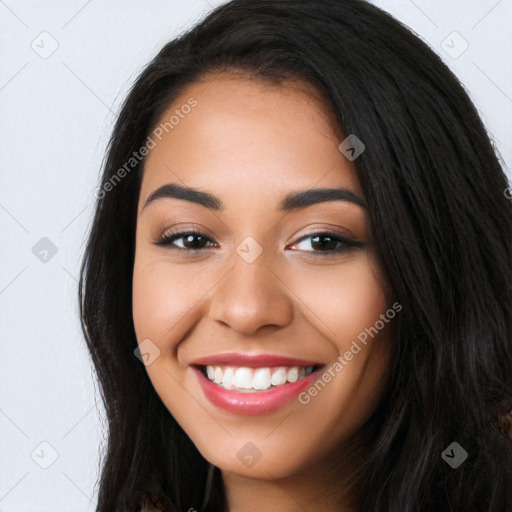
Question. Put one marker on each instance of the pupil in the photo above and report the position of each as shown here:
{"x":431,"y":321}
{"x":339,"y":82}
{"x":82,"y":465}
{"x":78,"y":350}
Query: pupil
{"x":323,"y":245}
{"x":189,"y":238}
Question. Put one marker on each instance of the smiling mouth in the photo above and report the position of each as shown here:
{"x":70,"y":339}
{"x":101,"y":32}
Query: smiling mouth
{"x":251,"y":380}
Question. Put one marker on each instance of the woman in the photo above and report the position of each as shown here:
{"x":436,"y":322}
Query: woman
{"x":297,"y":289}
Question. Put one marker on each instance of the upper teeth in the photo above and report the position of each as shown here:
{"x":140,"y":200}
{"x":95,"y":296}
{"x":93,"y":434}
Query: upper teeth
{"x":246,"y":379}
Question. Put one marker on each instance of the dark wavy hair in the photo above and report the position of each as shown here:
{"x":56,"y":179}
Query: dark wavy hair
{"x":442,"y":229}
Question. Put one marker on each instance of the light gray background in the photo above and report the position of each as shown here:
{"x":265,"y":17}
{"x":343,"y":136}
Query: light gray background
{"x":56,"y":114}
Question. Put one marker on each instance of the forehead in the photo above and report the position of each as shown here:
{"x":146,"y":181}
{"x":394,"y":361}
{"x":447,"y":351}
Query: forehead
{"x":245,"y":137}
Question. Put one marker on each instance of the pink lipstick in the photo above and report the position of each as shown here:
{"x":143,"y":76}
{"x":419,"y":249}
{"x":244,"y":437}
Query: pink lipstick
{"x":253,"y":383}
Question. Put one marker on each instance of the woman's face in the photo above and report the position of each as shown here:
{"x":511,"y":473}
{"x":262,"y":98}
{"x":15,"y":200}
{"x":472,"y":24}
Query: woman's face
{"x":267,"y":290}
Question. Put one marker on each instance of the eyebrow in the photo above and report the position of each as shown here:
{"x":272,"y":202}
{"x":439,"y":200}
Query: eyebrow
{"x":292,"y":201}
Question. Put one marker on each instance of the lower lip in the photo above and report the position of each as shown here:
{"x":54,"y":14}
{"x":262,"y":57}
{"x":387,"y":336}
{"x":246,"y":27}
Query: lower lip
{"x":254,"y":402}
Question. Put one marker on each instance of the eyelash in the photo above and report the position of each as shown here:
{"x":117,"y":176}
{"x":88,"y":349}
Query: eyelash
{"x":168,"y":239}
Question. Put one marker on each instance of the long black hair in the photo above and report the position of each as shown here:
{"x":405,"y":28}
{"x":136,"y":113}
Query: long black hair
{"x":442,"y":229}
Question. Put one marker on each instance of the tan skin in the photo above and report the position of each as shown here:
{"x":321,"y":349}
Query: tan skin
{"x":250,"y":144}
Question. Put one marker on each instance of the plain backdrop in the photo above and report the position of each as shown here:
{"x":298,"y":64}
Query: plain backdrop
{"x":65,"y":68}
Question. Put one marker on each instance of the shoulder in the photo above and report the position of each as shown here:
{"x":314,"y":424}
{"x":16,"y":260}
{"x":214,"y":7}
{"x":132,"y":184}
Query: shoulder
{"x":150,"y":504}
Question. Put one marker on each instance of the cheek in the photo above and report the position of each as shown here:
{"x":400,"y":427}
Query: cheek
{"x":161,"y":297}
{"x":343,"y":300}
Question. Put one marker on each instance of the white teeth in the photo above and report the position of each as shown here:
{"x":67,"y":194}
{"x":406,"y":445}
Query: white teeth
{"x":278,"y":377}
{"x":293,"y":374}
{"x":250,"y":379}
{"x":261,"y":378}
{"x":218,"y":375}
{"x":228,"y":378}
{"x":243,"y":378}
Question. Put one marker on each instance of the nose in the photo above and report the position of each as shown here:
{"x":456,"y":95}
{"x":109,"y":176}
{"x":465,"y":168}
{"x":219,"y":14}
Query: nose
{"x":251,"y":296}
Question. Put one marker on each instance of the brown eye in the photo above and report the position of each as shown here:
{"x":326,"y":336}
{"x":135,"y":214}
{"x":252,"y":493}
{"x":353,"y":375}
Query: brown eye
{"x":192,"y":241}
{"x":329,"y":243}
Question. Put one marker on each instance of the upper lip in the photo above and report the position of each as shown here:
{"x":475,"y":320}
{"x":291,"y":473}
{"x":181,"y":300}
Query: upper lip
{"x":252,"y":360}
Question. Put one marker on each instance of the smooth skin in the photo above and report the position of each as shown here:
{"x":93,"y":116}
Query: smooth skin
{"x":250,"y":143}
